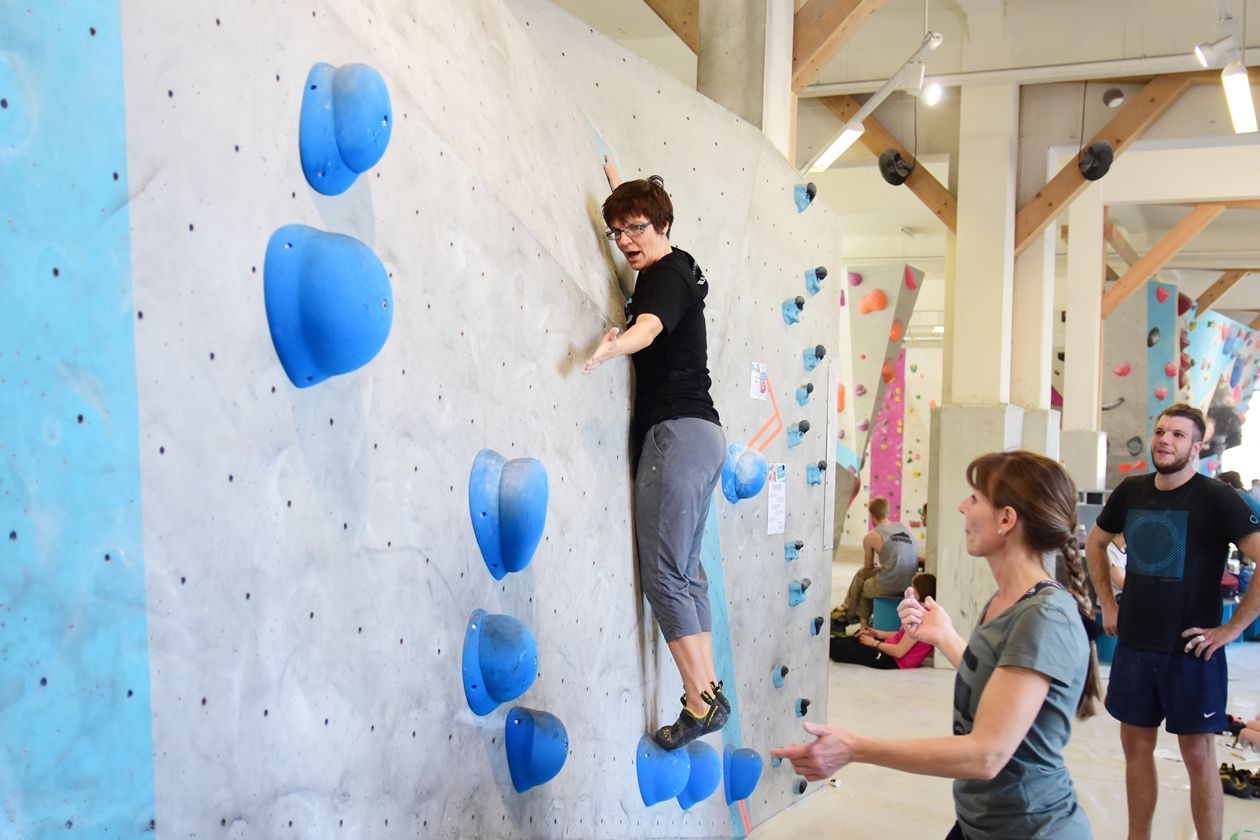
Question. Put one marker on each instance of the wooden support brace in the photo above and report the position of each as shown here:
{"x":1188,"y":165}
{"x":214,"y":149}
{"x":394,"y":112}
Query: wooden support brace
{"x":1218,"y":289}
{"x":1121,"y":245}
{"x":875,"y":137}
{"x":820,"y":29}
{"x":682,"y":17}
{"x":1138,"y":115}
{"x":1255,"y":322}
{"x":1154,"y":259}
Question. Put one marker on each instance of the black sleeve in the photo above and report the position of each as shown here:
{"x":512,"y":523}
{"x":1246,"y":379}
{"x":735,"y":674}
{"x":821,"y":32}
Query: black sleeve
{"x":667,"y":296}
{"x":1113,"y":513}
{"x":1236,"y":517}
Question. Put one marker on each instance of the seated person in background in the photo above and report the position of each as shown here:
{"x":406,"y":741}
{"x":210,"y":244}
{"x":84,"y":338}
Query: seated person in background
{"x":1234,"y":480}
{"x":1118,"y":557}
{"x":889,"y":562}
{"x":884,"y":650}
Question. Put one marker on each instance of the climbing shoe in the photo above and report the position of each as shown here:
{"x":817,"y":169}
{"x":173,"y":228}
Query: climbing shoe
{"x":717,"y":695}
{"x":1235,"y":783}
{"x":688,"y":727}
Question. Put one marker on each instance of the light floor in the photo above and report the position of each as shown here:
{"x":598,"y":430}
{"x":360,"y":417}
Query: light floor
{"x":872,"y":802}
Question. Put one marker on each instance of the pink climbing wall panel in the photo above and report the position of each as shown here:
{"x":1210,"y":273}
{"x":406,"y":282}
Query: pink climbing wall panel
{"x":887,"y":439}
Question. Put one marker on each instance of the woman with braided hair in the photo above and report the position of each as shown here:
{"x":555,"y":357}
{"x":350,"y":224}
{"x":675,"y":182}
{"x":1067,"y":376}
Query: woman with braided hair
{"x":1029,"y":666}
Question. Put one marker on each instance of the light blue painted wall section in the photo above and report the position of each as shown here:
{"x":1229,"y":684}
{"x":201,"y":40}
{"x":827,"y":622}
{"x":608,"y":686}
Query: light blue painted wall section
{"x":75,"y":727}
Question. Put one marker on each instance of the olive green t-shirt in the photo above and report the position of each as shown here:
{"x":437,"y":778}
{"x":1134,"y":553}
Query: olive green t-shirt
{"x":1032,"y":797}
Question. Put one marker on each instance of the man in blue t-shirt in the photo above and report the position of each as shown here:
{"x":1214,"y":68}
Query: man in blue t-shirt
{"x":1169,"y":665}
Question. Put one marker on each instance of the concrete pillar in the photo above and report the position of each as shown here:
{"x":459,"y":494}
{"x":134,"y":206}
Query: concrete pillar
{"x":1083,"y":446}
{"x":979,"y":281}
{"x":745,"y":62}
{"x":1032,"y":344}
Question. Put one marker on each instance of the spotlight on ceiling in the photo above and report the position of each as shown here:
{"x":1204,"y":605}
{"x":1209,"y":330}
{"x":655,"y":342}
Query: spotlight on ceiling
{"x":1113,"y":97}
{"x":895,"y":168}
{"x":1238,"y":94}
{"x":1210,"y":52}
{"x":1095,"y":160}
{"x":912,"y":80}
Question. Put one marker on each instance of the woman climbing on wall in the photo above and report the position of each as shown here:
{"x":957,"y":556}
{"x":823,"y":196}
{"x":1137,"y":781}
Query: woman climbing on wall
{"x":1029,"y":665}
{"x":675,"y":436}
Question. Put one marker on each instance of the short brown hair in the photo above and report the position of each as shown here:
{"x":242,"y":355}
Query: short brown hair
{"x":641,"y":198}
{"x":924,"y":586}
{"x":878,"y":507}
{"x":1190,"y":413}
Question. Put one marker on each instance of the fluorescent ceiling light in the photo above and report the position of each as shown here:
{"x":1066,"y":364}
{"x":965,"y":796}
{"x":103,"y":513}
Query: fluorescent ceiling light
{"x":1210,"y":52}
{"x":938,"y":329}
{"x":846,"y":139}
{"x":1238,"y":94}
{"x":932,"y":93}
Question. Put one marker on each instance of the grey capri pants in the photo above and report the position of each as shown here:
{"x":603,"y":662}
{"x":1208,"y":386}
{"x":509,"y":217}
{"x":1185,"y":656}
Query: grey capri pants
{"x":679,"y":468}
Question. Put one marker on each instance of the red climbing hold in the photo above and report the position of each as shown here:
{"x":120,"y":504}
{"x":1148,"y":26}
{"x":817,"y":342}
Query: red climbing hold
{"x":1170,"y":369}
{"x":1161,"y":393}
{"x":1123,"y":370}
{"x":910,"y":284}
{"x":1161,"y":293}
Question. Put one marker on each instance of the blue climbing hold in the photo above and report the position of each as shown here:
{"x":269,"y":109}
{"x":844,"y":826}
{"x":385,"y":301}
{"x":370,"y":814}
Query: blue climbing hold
{"x":796,"y":591}
{"x":814,"y":472}
{"x":792,"y":310}
{"x":500,"y":660}
{"x":329,"y":303}
{"x":816,"y":626}
{"x":537,"y":746}
{"x":802,"y":707}
{"x":345,"y":125}
{"x":803,"y":392}
{"x":744,"y":474}
{"x":775,"y":761}
{"x":814,"y":278}
{"x":508,"y":504}
{"x":742,"y":771}
{"x":813,"y":355}
{"x":779,"y":675}
{"x":704,"y":777}
{"x":662,"y":774}
{"x":804,"y":195}
{"x":792,"y":549}
{"x":796,"y":433}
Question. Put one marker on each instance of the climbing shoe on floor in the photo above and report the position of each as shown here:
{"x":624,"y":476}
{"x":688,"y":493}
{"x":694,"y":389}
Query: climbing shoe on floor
{"x":1235,"y":783}
{"x":688,"y":727}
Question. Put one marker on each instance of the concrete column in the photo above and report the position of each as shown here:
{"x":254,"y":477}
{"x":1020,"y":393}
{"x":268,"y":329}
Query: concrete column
{"x":1083,"y":446}
{"x":979,"y":281}
{"x":745,"y":62}
{"x":1032,"y":344}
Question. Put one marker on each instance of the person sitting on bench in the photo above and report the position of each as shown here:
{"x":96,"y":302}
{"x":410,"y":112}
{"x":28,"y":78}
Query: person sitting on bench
{"x":889,"y":562}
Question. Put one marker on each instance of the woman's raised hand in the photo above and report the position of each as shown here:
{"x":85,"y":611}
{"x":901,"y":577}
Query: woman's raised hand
{"x":910,"y":611}
{"x":610,"y":170}
{"x":605,"y":351}
{"x":928,"y":622}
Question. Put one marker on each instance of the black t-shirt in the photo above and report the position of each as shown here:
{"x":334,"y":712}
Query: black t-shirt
{"x":1178,"y":542}
{"x":671,"y":373}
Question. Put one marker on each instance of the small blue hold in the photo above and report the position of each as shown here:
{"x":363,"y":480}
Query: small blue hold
{"x":792,"y":310}
{"x":797,"y":433}
{"x":775,"y":761}
{"x":802,"y":707}
{"x":742,"y":771}
{"x":537,"y":745}
{"x":804,"y":195}
{"x":796,"y":591}
{"x":704,"y":777}
{"x":799,"y":786}
{"x":813,"y":355}
{"x":662,"y":774}
{"x":816,"y":625}
{"x":792,"y":549}
{"x":814,"y":472}
{"x":779,"y":675}
{"x":500,"y":660}
{"x":803,"y":392}
{"x":507,"y":501}
{"x":744,"y":474}
{"x":345,"y":125}
{"x":814,"y":278}
{"x":329,"y":303}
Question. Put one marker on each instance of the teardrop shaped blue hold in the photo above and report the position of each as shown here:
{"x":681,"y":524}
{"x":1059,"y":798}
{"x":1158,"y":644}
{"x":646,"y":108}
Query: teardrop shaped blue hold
{"x":500,"y":660}
{"x":742,"y":772}
{"x":662,"y":774}
{"x":537,"y":745}
{"x":345,"y":125}
{"x":705,"y":775}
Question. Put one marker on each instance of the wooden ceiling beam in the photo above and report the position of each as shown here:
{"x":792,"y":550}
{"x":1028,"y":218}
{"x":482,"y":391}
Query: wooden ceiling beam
{"x":1120,"y":245}
{"x":1255,"y":322}
{"x":820,"y":29}
{"x":1154,"y":259}
{"x":1240,"y":204}
{"x":1128,"y":125}
{"x":682,"y":17}
{"x":1222,"y":285}
{"x":922,"y":183}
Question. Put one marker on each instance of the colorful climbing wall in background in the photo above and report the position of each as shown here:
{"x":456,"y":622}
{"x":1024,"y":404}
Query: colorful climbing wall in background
{"x":886,"y":440}
{"x":1220,"y":361}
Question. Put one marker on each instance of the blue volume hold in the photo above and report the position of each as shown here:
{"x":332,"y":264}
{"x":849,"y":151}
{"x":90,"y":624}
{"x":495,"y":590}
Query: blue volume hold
{"x":537,"y":745}
{"x":508,"y":504}
{"x":345,"y":125}
{"x":500,"y":660}
{"x":662,"y":774}
{"x":705,"y":775}
{"x":742,"y":771}
{"x":744,"y":474}
{"x":329,"y":303}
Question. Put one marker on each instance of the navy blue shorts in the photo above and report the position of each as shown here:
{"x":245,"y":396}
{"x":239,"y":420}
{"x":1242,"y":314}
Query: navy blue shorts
{"x":1180,"y":688}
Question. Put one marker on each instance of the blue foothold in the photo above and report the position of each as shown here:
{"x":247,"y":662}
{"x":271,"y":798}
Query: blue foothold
{"x":500,"y":660}
{"x":804,"y":196}
{"x":802,"y":707}
{"x":742,"y":771}
{"x":814,"y":278}
{"x":797,"y":433}
{"x":704,"y":777}
{"x":803,"y":392}
{"x":814,"y":472}
{"x":779,"y":675}
{"x":329,"y":303}
{"x":792,"y":310}
{"x":744,"y":474}
{"x":796,"y":591}
{"x":813,"y":355}
{"x":816,"y":625}
{"x":662,"y":774}
{"x":775,"y":761}
{"x":537,"y":745}
{"x":792,"y":549}
{"x":345,"y":125}
{"x":507,"y":501}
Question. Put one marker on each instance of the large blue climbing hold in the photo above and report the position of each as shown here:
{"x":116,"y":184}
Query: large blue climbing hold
{"x":500,"y":661}
{"x":662,"y":774}
{"x":804,"y":195}
{"x":705,"y":775}
{"x":508,"y":504}
{"x":742,"y":771}
{"x":329,"y":303}
{"x":345,"y":125}
{"x":537,"y":746}
{"x":744,"y":474}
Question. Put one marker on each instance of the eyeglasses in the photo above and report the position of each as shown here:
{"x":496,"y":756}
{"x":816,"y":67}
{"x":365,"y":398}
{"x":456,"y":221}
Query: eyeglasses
{"x":632,"y":231}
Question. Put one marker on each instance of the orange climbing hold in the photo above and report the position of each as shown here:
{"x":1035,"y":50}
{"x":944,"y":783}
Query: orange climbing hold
{"x":840,"y":398}
{"x":897,"y":331}
{"x":873,"y":301}
{"x":889,"y":370}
